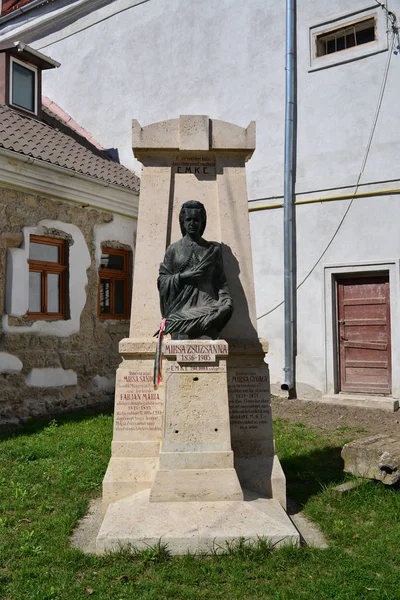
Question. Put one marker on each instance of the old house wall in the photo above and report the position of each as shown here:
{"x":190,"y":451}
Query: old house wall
{"x":51,"y":366}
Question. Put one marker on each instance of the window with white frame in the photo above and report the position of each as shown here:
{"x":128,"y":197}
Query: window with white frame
{"x":348,"y":37}
{"x":47,"y":278}
{"x":23,"y":85}
{"x":344,"y":38}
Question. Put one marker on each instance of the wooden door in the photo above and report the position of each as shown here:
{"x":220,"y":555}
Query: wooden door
{"x":364,"y":335}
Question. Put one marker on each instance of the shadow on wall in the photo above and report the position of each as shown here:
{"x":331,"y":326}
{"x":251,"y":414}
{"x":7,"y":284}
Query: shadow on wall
{"x":240,"y":325}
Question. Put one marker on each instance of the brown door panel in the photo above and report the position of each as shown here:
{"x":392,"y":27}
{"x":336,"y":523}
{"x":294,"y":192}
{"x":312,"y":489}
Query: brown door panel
{"x":364,"y":354}
{"x":364,"y":335}
{"x":369,"y":311}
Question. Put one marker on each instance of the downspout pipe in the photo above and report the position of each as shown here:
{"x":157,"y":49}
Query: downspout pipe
{"x":289,"y":215}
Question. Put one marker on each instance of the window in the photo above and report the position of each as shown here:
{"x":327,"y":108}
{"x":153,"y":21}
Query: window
{"x":114,"y":284}
{"x":343,"y":38}
{"x":23,"y":85}
{"x":47,"y":278}
{"x":348,"y":37}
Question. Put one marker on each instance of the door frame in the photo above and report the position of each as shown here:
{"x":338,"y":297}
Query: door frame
{"x":340,"y":271}
{"x":377,"y":278}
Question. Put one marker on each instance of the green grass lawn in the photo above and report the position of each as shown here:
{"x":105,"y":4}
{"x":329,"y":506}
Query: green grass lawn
{"x":48,"y":476}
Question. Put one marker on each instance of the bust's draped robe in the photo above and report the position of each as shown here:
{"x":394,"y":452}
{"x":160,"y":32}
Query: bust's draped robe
{"x":192,"y":308}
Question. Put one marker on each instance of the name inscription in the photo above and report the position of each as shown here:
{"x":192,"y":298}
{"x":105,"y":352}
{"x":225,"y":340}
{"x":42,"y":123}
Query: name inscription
{"x":211,"y":349}
{"x":196,"y":165}
{"x":194,"y":170}
{"x":138,"y":405}
{"x":248,"y":398}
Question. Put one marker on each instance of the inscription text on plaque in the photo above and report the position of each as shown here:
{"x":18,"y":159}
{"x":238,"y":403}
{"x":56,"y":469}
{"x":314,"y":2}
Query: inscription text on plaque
{"x":139,"y":404}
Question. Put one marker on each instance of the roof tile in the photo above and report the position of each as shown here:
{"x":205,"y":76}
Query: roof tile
{"x":11,"y":5}
{"x":52,"y":141}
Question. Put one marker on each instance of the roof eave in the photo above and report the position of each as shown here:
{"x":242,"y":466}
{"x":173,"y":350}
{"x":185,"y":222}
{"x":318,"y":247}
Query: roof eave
{"x":105,"y":196}
{"x":70,"y":172}
{"x":29,"y":54}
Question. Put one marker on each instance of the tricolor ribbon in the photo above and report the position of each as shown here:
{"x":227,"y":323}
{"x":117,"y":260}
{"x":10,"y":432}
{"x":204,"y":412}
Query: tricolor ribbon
{"x":157,"y":375}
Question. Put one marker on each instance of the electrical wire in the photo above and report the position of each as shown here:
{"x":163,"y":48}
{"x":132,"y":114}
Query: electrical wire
{"x":117,"y":12}
{"x":363,"y":164}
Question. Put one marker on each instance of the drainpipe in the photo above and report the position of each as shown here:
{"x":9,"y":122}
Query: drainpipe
{"x":289,"y":215}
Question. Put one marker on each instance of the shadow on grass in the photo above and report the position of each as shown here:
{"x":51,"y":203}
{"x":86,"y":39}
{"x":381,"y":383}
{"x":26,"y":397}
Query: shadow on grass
{"x":34,"y":425}
{"x":307,"y":474}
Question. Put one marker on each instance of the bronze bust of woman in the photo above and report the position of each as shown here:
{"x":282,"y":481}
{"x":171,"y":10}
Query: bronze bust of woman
{"x":194,"y":295}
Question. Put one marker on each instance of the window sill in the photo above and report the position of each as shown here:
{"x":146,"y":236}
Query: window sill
{"x":24,"y":111}
{"x":41,"y":317}
{"x":113,"y":318}
{"x":326,"y":62}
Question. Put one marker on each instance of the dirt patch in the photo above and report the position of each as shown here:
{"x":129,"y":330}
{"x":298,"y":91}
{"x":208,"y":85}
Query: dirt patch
{"x":329,"y":416}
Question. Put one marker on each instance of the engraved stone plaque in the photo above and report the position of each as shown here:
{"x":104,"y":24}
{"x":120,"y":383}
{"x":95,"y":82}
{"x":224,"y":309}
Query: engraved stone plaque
{"x":249,"y":404}
{"x":139,"y":406}
{"x":194,"y":165}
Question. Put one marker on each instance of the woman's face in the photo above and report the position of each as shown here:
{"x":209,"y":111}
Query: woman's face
{"x":193,"y":221}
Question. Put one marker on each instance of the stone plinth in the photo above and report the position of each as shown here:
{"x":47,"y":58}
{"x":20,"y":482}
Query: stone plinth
{"x":195,"y":527}
{"x":256,"y":463}
{"x":196,"y":458}
{"x":137,"y":423}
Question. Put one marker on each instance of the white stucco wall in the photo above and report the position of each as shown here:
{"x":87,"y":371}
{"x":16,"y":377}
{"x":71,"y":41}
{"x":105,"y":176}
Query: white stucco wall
{"x":51,"y":377}
{"x":120,"y":229}
{"x":161,"y":58}
{"x":10,"y":363}
{"x":367,"y":234}
{"x":226,"y":59}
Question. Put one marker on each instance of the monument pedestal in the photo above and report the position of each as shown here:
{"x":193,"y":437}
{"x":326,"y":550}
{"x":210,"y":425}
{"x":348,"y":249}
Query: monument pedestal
{"x":138,"y":417}
{"x":193,"y":462}
{"x":196,"y":503}
{"x":256,"y":463}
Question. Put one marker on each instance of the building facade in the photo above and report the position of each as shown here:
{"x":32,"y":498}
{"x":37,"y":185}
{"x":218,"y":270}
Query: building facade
{"x":68,"y":222}
{"x":157,"y":59}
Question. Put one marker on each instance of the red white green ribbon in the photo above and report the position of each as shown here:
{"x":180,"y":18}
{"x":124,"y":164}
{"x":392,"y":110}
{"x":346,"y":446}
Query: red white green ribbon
{"x":157,"y":374}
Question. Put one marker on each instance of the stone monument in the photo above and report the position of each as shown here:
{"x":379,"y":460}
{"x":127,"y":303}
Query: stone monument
{"x":193,"y":460}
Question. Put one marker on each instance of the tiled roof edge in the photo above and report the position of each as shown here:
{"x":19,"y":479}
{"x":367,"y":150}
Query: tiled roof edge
{"x":18,"y":8}
{"x":61,"y":114}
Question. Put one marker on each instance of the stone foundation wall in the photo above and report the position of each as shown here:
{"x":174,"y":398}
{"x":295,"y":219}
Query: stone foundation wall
{"x":87,"y":359}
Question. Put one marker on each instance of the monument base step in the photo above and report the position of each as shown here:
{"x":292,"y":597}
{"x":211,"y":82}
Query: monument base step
{"x":195,"y":527}
{"x":196,"y":485}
